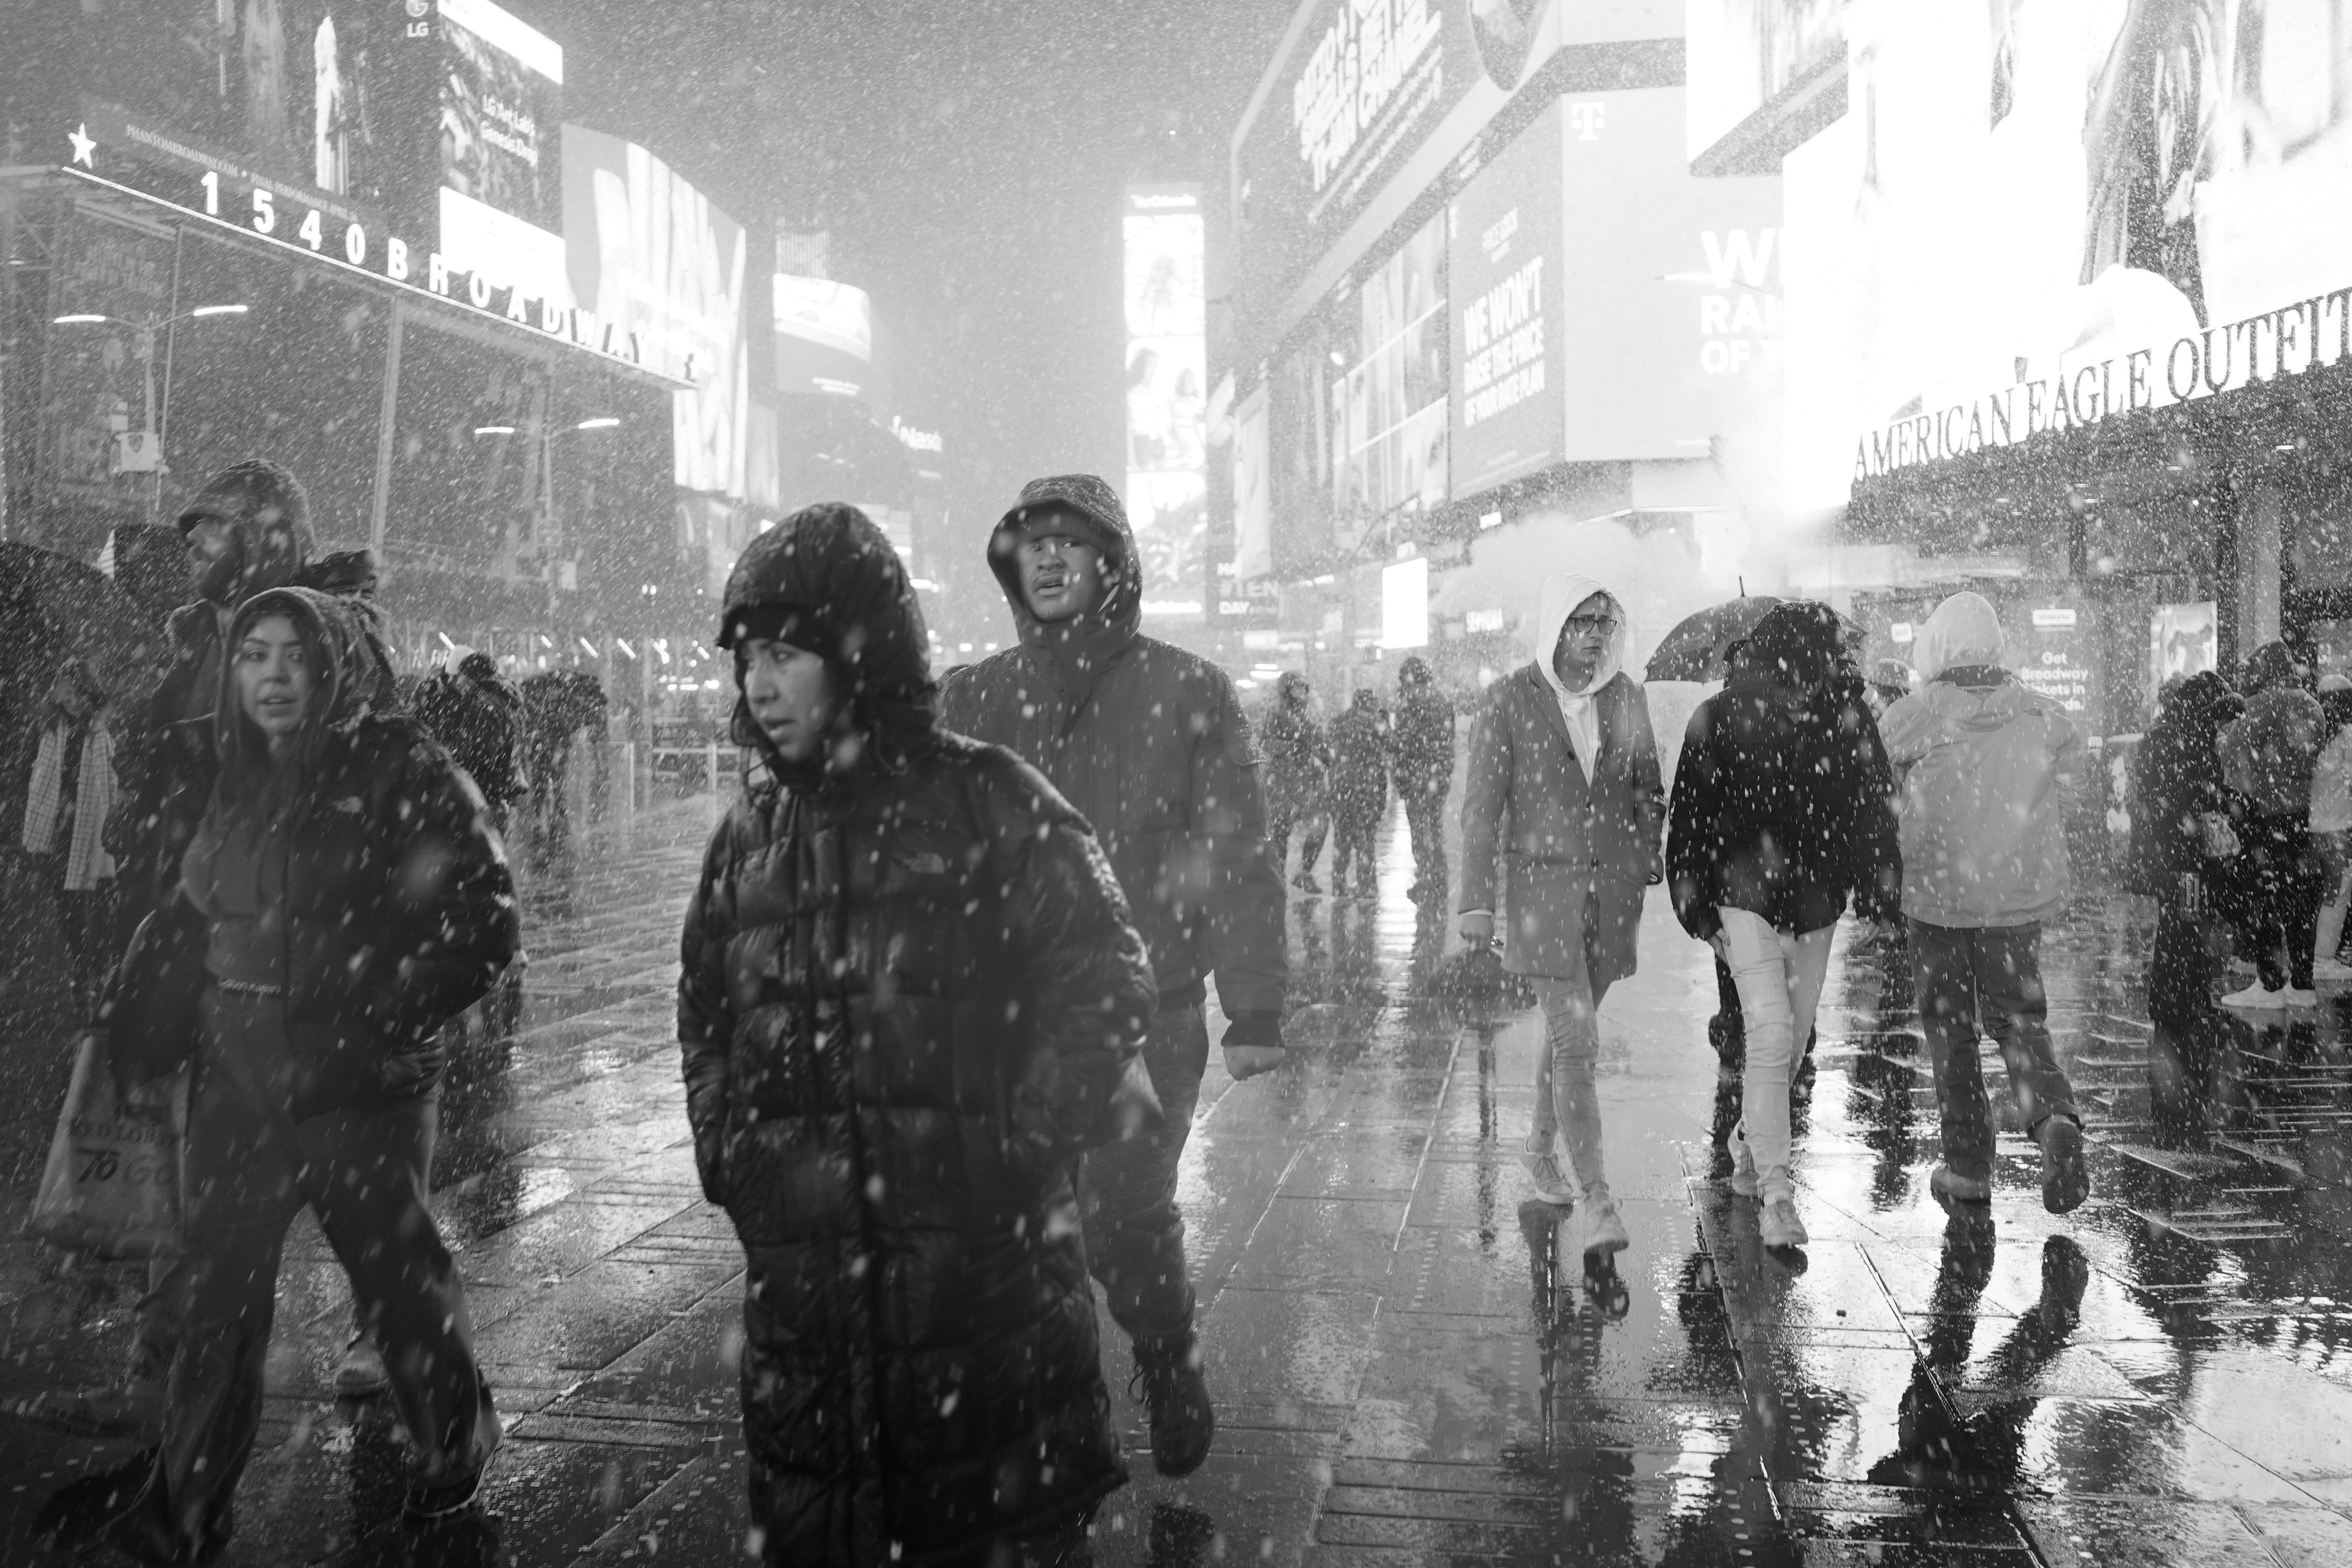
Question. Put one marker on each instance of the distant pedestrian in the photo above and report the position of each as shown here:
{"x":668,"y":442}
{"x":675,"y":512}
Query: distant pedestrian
{"x":1988,"y":769}
{"x":1150,"y":743}
{"x":1782,"y":812}
{"x":1422,"y":760}
{"x":342,"y":898}
{"x":478,"y":714}
{"x":1560,"y":813}
{"x":2331,"y":826}
{"x":1297,"y":778}
{"x":2269,"y":757}
{"x":910,"y":991}
{"x":2183,"y":845}
{"x":1360,"y":793}
{"x":69,"y":795}
{"x":558,"y":706}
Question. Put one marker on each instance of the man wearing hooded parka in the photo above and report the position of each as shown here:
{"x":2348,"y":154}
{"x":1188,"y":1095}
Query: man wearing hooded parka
{"x":909,"y":995}
{"x":1561,"y":810}
{"x":1148,"y":742}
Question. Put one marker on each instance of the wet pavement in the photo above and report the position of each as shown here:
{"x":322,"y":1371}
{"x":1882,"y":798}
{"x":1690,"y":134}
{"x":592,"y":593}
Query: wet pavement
{"x":1406,"y":1370}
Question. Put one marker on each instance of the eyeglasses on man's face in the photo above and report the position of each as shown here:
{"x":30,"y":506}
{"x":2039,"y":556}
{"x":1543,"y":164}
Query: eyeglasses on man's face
{"x":1591,"y":626}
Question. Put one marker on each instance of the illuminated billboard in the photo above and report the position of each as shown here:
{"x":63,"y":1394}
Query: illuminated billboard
{"x":1388,"y":410}
{"x":825,"y":336}
{"x":1506,"y":316}
{"x":1167,"y":391}
{"x":1746,"y":54}
{"x":649,"y":252}
{"x":2031,"y":207}
{"x":501,"y":199}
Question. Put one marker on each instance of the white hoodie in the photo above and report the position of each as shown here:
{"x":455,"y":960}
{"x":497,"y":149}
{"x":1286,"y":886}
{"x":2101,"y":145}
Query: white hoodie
{"x":1561,"y":595}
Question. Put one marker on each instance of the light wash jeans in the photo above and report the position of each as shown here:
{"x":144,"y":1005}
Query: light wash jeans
{"x":1780,"y":974}
{"x":1568,"y":1101}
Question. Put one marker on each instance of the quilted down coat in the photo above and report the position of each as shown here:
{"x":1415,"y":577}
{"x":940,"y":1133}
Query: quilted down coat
{"x":399,"y":912}
{"x":909,"y":990}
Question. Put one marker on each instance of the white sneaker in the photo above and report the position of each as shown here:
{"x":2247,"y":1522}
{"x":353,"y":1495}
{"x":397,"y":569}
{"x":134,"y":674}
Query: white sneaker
{"x":1552,"y":1182}
{"x":2291,"y":997}
{"x":2255,"y":997}
{"x":1778,"y":1226}
{"x":2329,"y":969}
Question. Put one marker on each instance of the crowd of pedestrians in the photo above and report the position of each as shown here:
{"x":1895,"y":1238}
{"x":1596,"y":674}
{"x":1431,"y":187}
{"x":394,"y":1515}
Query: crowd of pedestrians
{"x":944,"y":979}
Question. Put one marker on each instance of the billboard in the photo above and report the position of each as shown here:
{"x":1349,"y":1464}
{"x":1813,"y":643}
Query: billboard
{"x":825,"y":336}
{"x":1506,"y":317}
{"x":648,"y":252}
{"x":1166,"y":300}
{"x":2026,"y":196}
{"x":501,"y":198}
{"x":1609,"y":305}
{"x":1388,"y":409}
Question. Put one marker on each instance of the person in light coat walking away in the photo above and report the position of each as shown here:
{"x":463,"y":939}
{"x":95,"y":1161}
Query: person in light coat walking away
{"x":1560,"y":816}
{"x":1780,"y":814}
{"x":1987,"y":768}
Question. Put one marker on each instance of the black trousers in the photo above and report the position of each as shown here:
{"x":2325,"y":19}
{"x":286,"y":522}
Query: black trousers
{"x":2281,"y":886}
{"x":1424,"y":818}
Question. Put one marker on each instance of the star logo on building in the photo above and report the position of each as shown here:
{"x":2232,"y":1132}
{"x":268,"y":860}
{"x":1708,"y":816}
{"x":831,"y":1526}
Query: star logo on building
{"x":84,"y":144}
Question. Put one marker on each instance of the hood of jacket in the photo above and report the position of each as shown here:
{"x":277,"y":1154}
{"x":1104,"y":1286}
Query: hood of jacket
{"x":828,"y":580}
{"x":1086,"y":642}
{"x":1800,"y":645}
{"x":1977,"y":707}
{"x":2269,"y":752}
{"x":1561,"y":595}
{"x":345,"y":680}
{"x":1292,"y":691}
{"x":269,"y":516}
{"x":1413,"y":675}
{"x":1965,"y":629}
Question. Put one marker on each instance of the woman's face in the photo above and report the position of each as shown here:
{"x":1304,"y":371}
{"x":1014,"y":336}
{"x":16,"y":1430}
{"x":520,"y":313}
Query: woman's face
{"x":274,"y":677}
{"x":1584,"y":641}
{"x":789,"y":693}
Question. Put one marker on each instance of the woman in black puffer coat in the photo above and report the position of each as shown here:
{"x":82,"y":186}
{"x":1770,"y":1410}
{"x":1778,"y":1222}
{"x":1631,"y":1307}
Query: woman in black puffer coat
{"x":341,"y":901}
{"x":911,"y":996}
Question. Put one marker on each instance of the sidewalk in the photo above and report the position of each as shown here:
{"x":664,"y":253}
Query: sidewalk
{"x":1405,"y":1374}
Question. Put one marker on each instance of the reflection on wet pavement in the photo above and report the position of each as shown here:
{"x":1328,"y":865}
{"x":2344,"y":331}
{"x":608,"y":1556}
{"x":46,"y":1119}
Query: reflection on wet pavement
{"x":1413,"y":1363}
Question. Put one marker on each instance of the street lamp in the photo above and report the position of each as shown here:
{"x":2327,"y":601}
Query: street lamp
{"x":142,"y":452}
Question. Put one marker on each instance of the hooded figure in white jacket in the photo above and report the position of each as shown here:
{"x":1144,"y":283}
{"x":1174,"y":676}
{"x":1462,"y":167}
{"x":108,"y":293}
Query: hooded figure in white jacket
{"x":1561,"y":812}
{"x":1986,"y":768}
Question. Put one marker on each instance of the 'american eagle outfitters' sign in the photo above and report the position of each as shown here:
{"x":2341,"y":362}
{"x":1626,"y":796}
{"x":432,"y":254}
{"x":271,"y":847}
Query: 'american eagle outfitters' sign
{"x":2285,"y":342}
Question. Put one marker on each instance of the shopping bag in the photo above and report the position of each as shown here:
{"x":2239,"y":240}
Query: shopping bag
{"x":111,"y":1186}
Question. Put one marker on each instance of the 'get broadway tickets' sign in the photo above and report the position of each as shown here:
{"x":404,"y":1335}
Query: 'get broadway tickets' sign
{"x":109,"y":147}
{"x":2285,"y":342}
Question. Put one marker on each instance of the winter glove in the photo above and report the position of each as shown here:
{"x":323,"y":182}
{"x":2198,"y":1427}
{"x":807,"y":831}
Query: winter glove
{"x":1254,"y":1045}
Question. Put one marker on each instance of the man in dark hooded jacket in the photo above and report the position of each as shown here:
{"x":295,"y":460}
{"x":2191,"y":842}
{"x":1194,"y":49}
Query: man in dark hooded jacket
{"x":1421,"y":761}
{"x":1150,"y":743}
{"x":910,"y":997}
{"x":1359,"y":791}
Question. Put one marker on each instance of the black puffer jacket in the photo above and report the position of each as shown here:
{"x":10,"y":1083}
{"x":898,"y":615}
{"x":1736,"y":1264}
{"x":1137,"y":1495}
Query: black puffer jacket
{"x":398,"y":909}
{"x":1783,"y":801}
{"x":1421,"y":748}
{"x":2177,"y":784}
{"x":909,"y":988}
{"x":1359,"y":762}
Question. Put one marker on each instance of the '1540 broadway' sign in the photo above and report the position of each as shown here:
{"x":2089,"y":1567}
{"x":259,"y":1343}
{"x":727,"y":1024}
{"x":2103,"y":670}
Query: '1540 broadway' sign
{"x":2285,"y":342}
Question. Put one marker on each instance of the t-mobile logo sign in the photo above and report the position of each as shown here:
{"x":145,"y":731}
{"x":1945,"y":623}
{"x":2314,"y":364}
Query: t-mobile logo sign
{"x":1586,"y":118}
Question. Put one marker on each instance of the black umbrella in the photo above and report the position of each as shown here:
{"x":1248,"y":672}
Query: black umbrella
{"x":1697,"y":648}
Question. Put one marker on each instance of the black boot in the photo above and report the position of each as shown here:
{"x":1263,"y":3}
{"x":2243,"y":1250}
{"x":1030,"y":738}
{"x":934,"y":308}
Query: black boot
{"x":1177,"y":1395}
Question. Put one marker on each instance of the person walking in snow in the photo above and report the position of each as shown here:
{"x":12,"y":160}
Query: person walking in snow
{"x":2183,"y":844}
{"x":1422,"y":760}
{"x":341,"y":900}
{"x":1988,"y":769}
{"x":1148,"y":742}
{"x":1782,"y":812}
{"x":1360,"y":793}
{"x":1560,"y":815}
{"x":2269,"y":756}
{"x":68,"y":798}
{"x":1298,"y":779}
{"x":909,"y":995}
{"x":2331,"y":825}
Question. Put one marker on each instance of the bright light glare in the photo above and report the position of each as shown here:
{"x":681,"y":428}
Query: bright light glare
{"x":74,"y":321}
{"x":494,"y":429}
{"x":602,"y":422}
{"x":220,"y":310}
